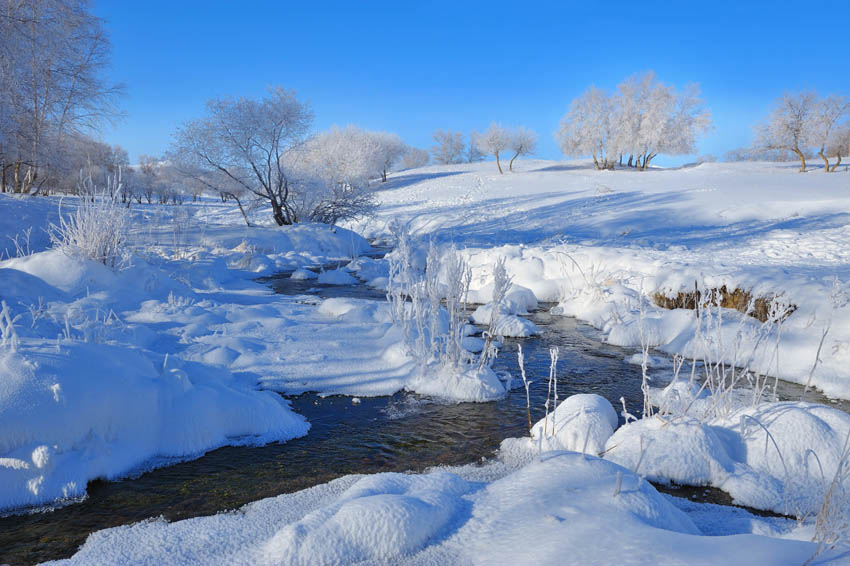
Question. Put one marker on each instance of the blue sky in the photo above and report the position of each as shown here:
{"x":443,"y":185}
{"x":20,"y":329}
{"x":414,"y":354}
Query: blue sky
{"x":413,"y":67}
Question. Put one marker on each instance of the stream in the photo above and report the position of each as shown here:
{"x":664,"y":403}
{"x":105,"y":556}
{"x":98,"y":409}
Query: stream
{"x":403,"y":432}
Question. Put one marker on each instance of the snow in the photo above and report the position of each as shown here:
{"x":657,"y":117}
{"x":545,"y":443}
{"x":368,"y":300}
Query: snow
{"x":181,"y":351}
{"x":581,"y":423}
{"x":559,"y":507}
{"x":121,"y":371}
{"x":601,"y":242}
{"x":302,"y":274}
{"x":73,"y":411}
{"x":776,"y":457}
{"x":336,"y":277}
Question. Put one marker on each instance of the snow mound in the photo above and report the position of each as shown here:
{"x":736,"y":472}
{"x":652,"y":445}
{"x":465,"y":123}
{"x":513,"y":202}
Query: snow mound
{"x":470,"y":385}
{"x":379,"y":518}
{"x":64,"y":272}
{"x":560,"y":508}
{"x":580,"y":423}
{"x":78,"y":411}
{"x":768,"y":457}
{"x":303,"y":274}
{"x":508,"y":324}
{"x":336,"y":277}
{"x":354,"y":310}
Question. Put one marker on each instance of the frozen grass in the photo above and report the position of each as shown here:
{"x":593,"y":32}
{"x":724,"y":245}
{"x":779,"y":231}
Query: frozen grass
{"x":97,"y":229}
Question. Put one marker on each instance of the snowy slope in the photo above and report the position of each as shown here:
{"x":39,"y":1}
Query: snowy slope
{"x":601,"y":242}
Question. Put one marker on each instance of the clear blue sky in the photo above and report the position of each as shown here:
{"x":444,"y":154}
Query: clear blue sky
{"x":413,"y":67}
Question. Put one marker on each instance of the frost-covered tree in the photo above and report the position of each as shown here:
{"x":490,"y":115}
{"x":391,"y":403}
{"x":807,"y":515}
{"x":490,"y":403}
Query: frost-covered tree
{"x":493,"y":141}
{"x":523,"y":142}
{"x":788,"y":127}
{"x":473,"y":154}
{"x":828,"y":117}
{"x":414,"y":158}
{"x":587,"y":128}
{"x":331,"y":174}
{"x":239,"y":145}
{"x":448,"y":147}
{"x":53,"y":54}
{"x":839,"y":144}
{"x":643,"y":119}
{"x":390,"y":147}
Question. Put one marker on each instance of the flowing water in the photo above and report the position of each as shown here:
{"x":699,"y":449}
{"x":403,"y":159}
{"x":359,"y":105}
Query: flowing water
{"x":398,"y":433}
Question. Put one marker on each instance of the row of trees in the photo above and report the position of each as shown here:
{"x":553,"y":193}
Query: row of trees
{"x":450,"y":148}
{"x":804,"y":124}
{"x":53,"y":96}
{"x":641,"y":119}
{"x":262,"y":150}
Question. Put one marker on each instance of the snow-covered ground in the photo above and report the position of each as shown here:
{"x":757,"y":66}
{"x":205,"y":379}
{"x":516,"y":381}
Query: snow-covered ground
{"x":601,"y":242}
{"x":180,"y":351}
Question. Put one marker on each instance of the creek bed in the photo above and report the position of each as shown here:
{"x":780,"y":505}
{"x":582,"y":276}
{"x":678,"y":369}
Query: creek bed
{"x":403,"y":432}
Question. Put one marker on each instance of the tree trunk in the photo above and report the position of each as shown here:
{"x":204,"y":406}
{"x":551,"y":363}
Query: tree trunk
{"x":837,"y":163}
{"x":595,"y":161}
{"x":802,"y":159}
{"x":499,"y":165}
{"x":825,"y":161}
{"x":631,"y":158}
{"x":621,"y":160}
{"x":511,"y":164}
{"x":384,"y":175}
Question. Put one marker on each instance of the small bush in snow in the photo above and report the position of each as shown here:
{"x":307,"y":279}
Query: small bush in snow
{"x":97,"y":229}
{"x":8,"y":335}
{"x":416,"y":303}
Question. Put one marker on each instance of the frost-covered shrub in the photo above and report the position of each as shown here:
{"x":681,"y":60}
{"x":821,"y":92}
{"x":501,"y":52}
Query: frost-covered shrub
{"x":97,"y":229}
{"x":433,"y":333}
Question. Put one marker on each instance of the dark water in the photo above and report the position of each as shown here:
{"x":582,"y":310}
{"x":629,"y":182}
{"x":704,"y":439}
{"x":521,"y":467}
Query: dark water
{"x":398,"y":433}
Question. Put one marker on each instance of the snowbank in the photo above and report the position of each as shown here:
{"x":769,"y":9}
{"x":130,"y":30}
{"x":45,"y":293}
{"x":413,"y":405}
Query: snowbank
{"x":560,"y":507}
{"x":777,"y":457}
{"x":71,"y":412}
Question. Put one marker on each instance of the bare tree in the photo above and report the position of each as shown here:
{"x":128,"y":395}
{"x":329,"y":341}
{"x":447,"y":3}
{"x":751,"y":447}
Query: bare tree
{"x":448,"y":147}
{"x":787,"y":126}
{"x":240,"y":143}
{"x":493,"y":141}
{"x":523,"y":142}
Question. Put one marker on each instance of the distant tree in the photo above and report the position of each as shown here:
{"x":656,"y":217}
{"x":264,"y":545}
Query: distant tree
{"x":587,"y":128}
{"x":828,"y":115}
{"x":707,"y":158}
{"x":238,"y":146}
{"x":493,"y":141}
{"x":413,"y":158}
{"x":839,"y":144}
{"x":642,"y":120}
{"x":523,"y":142}
{"x":390,"y":148}
{"x":448,"y":147}
{"x":788,"y":125}
{"x":473,"y":154}
{"x":53,"y":54}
